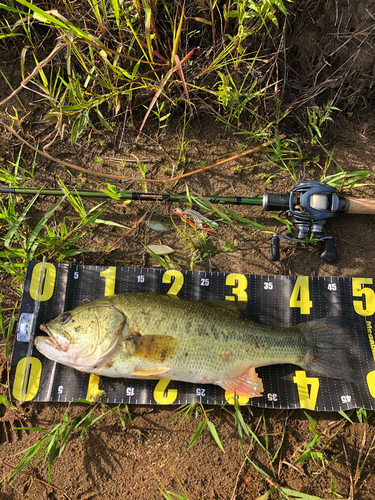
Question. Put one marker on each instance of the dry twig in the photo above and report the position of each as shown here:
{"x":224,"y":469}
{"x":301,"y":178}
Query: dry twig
{"x":35,"y":71}
{"x":226,"y":160}
{"x":137,"y":179}
{"x":40,"y":480}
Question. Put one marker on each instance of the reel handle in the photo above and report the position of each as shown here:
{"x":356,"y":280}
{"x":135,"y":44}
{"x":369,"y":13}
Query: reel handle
{"x":275,"y":249}
{"x":329,"y":253}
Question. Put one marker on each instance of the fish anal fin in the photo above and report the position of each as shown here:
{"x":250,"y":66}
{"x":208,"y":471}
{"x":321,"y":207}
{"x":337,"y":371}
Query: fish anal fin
{"x":149,"y":373}
{"x":248,"y":385}
{"x":154,"y":348}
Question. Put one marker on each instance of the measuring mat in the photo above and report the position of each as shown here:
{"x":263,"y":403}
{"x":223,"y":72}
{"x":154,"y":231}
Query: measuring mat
{"x":279,"y":301}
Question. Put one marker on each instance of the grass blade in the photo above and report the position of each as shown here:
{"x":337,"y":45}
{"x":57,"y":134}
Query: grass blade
{"x":247,"y":429}
{"x":177,"y":35}
{"x":159,"y":259}
{"x":51,"y":449}
{"x":298,"y":494}
{"x":33,"y":451}
{"x":181,"y":75}
{"x":215,"y":435}
{"x":258,"y":469}
{"x":148,"y":31}
{"x":116,"y":9}
{"x":15,"y":227}
{"x":59,"y":21}
{"x":344,"y":415}
{"x":198,"y":432}
{"x":155,"y":98}
{"x":30,"y":246}
{"x":65,"y":436}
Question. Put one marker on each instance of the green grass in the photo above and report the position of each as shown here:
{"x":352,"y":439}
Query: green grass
{"x":160,"y":52}
{"x":55,"y":241}
{"x":53,"y":442}
{"x":263,"y":451}
{"x":134,"y":57}
{"x":7,"y":326}
{"x":198,"y":411}
{"x":256,"y":442}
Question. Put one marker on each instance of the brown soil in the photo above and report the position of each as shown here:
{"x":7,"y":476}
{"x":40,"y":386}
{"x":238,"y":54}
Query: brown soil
{"x":112,"y":462}
{"x":151,"y":452}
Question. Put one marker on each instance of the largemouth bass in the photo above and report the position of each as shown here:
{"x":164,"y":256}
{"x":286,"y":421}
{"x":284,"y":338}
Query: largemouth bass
{"x":155,"y":336}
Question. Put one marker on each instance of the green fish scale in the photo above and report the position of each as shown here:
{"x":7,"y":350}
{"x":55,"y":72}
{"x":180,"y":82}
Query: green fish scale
{"x":214,"y":340}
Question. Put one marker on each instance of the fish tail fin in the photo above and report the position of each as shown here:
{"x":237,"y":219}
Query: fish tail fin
{"x":328,"y":348}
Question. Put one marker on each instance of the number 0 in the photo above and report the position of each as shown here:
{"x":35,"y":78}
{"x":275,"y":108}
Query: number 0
{"x":49,"y":281}
{"x":35,"y":371}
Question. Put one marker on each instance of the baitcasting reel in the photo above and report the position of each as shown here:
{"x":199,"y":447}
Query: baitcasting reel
{"x":310,"y":204}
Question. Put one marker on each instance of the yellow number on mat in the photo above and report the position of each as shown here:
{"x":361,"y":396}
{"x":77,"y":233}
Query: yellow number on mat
{"x":171,"y":394}
{"x":370,"y":379}
{"x":35,"y":371}
{"x":49,"y":281}
{"x":93,"y":391}
{"x":229,"y":398}
{"x":306,"y":399}
{"x":239,"y":282}
{"x":360,"y":292}
{"x":110,"y":280}
{"x":178,"y":280}
{"x":301,"y":290}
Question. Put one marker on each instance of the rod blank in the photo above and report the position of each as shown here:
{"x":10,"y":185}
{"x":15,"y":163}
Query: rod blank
{"x":126,"y":195}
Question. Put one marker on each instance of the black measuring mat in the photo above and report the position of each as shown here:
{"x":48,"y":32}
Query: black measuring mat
{"x":278,"y":301}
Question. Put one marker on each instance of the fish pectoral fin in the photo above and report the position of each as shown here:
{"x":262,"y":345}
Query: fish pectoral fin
{"x":248,"y":385}
{"x":149,"y":373}
{"x":155,"y":348}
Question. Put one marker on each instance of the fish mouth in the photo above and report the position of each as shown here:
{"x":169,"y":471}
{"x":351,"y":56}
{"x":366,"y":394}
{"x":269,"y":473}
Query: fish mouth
{"x":66,"y":337}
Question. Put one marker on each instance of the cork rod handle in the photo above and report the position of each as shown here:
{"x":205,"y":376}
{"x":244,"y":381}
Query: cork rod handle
{"x":360,"y":206}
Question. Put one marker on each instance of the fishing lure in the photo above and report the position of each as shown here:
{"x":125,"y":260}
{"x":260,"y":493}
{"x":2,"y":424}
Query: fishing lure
{"x":195,"y":219}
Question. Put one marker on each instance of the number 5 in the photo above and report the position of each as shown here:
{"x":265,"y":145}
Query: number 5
{"x":368,"y":293}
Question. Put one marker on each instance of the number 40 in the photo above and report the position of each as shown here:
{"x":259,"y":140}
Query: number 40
{"x":301,"y":295}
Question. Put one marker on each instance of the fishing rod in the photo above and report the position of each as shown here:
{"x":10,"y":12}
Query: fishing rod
{"x":309,"y":206}
{"x":126,"y":195}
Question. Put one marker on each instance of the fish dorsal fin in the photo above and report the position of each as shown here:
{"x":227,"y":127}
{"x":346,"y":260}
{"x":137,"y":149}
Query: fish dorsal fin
{"x":240,"y":309}
{"x":156,"y":348}
{"x":248,"y":385}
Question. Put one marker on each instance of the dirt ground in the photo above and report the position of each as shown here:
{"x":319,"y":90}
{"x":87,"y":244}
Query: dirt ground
{"x":112,"y":462}
{"x":150,"y":453}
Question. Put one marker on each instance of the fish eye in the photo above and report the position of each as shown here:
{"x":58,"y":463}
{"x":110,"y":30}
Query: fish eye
{"x":64,"y":318}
